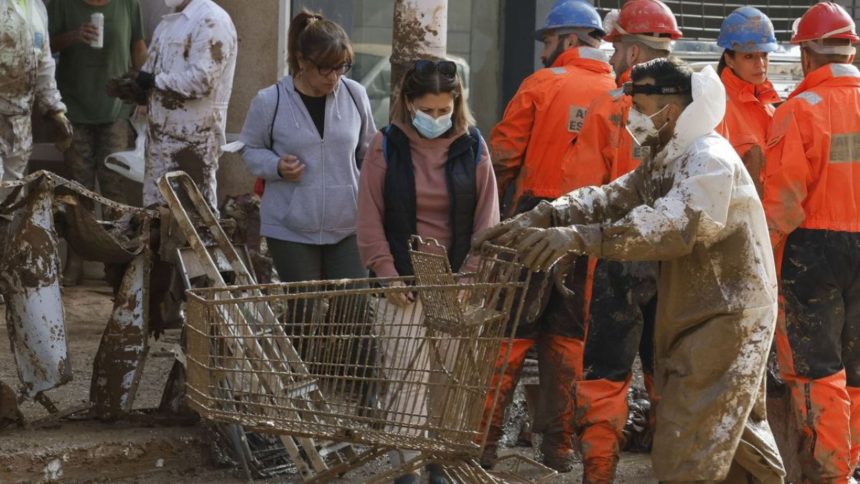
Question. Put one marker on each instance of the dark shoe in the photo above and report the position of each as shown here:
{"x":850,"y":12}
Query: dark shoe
{"x":489,"y":457}
{"x":436,"y":475}
{"x":411,"y":478}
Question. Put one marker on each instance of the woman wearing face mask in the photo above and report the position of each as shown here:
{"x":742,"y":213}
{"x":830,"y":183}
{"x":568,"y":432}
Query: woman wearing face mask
{"x":305,"y":136}
{"x":428,"y":173}
{"x":747,"y":35}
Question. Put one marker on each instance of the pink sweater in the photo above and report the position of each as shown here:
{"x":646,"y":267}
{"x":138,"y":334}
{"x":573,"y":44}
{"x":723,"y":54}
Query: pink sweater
{"x":428,"y":157}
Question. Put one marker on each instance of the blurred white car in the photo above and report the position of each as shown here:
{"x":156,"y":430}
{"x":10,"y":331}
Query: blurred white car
{"x":372,"y":68}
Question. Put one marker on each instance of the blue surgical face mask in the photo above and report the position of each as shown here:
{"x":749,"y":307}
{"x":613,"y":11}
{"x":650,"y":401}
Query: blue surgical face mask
{"x":431,"y":127}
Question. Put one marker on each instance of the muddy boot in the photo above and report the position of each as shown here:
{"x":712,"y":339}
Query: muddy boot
{"x":73,"y":273}
{"x":599,"y":470}
{"x":489,"y":456}
{"x":560,"y":460}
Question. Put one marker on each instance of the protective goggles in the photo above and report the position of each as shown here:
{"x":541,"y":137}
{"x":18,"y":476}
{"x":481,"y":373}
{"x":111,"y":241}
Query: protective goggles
{"x":651,"y":89}
{"x":445,"y":67}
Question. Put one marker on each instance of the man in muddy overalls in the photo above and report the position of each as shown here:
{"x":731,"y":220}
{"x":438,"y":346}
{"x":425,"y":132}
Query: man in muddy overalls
{"x":188,"y":77}
{"x":693,"y":207}
{"x":26,"y":81}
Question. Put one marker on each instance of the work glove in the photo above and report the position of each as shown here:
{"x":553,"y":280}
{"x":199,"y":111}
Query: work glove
{"x":505,"y":233}
{"x":540,"y":249}
{"x":132,"y":87}
{"x":63,"y":129}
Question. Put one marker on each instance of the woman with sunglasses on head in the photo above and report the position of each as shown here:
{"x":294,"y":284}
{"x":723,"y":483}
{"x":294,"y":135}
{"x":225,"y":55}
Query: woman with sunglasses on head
{"x":747,"y":37}
{"x":305,"y":137}
{"x":427,"y":173}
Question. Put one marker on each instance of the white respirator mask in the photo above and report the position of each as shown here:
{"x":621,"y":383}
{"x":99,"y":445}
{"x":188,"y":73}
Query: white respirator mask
{"x":173,"y":3}
{"x":641,"y":127}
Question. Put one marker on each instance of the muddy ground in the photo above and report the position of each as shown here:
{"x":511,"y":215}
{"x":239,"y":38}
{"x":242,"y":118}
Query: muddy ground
{"x":145,"y":449}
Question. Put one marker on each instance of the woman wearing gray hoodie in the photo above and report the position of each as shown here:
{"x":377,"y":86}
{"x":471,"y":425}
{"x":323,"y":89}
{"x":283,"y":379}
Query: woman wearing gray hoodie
{"x":305,"y":137}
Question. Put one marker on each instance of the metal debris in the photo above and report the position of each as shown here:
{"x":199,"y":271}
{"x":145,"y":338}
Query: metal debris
{"x":30,"y":274}
{"x":30,"y":281}
{"x":638,"y":431}
{"x":119,"y":362}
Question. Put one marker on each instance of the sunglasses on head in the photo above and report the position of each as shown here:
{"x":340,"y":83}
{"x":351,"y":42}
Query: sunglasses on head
{"x":445,"y":67}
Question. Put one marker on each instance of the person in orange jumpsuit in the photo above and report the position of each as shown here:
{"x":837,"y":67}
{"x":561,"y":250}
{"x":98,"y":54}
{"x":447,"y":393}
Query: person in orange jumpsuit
{"x":541,"y":120}
{"x":623,"y":294}
{"x":747,"y":37}
{"x":812,"y":202}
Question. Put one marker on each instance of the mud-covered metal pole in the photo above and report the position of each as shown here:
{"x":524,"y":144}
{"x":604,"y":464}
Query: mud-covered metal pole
{"x":420,"y":30}
{"x":30,"y":275}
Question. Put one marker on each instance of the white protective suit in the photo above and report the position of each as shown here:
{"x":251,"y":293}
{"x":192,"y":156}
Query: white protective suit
{"x":193,"y":57}
{"x":695,"y":209}
{"x":26,"y":80}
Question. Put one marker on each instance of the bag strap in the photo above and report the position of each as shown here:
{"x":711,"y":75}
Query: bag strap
{"x":361,"y":133}
{"x":274,"y":117}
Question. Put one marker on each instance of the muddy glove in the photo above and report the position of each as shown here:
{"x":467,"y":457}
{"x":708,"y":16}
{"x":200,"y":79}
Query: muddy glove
{"x":506,"y":232}
{"x":63,"y":129}
{"x":541,"y":248}
{"x":132,"y":87}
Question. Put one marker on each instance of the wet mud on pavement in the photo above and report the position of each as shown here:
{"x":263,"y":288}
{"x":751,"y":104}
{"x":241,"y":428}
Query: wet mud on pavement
{"x":143,"y":450}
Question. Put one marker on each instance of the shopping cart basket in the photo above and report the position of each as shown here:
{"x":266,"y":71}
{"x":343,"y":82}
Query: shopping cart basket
{"x":338,"y":360}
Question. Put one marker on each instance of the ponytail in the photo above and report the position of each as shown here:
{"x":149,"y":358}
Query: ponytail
{"x":318,"y":39}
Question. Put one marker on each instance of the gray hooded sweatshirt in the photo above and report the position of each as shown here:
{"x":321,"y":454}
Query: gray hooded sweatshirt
{"x":320,"y":208}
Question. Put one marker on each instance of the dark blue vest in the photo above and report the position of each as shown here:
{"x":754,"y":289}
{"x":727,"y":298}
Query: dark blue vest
{"x":399,"y":195}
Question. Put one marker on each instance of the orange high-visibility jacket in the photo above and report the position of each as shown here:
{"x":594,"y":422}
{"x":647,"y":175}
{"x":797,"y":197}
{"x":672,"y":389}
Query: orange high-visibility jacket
{"x":543,"y":119}
{"x":812,"y":174}
{"x":749,"y":111}
{"x":604,"y":150}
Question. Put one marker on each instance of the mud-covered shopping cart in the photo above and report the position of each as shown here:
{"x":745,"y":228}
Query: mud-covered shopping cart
{"x":402,"y":364}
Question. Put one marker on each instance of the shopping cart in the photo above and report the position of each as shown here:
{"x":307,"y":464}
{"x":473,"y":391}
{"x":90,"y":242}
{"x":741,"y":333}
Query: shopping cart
{"x":339,"y":361}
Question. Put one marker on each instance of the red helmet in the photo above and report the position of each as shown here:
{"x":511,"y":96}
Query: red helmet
{"x":825,"y":20}
{"x":642,"y":17}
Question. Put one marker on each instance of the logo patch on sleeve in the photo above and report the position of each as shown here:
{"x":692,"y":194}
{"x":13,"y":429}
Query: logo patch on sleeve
{"x":575,"y":117}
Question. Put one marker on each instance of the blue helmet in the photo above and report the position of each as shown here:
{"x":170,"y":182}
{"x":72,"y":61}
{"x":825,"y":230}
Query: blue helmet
{"x":747,"y":29}
{"x":571,"y":14}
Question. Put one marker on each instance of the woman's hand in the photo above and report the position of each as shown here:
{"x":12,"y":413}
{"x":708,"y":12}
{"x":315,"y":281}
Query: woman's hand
{"x":399,"y":298}
{"x":290,"y":168}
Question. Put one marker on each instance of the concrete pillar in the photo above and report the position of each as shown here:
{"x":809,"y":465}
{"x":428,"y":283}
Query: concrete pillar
{"x":420,"y":29}
{"x":260,"y":63}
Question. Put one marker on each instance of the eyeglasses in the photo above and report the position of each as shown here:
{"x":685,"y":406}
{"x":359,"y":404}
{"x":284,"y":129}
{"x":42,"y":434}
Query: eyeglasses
{"x":445,"y":67}
{"x":339,"y":69}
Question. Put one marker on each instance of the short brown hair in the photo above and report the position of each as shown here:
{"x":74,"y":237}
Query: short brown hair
{"x":416,"y":84}
{"x":318,"y":40}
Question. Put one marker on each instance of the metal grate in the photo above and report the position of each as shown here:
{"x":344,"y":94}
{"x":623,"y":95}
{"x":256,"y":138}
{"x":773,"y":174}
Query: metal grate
{"x":702,"y":20}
